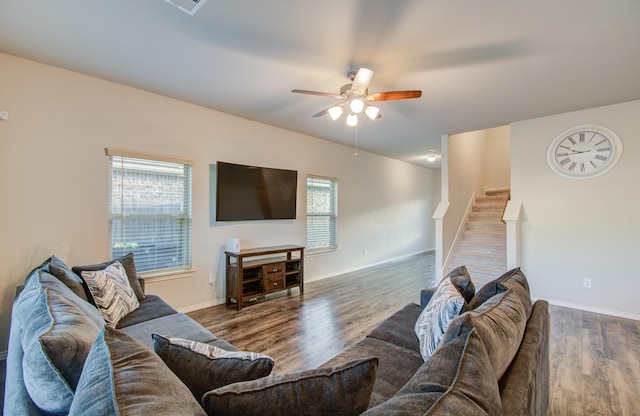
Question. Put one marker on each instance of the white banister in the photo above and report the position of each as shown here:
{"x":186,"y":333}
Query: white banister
{"x":511,"y":217}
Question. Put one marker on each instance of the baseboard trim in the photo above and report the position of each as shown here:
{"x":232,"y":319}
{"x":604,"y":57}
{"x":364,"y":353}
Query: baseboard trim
{"x":366,"y":266}
{"x":602,"y":311}
{"x":203,"y":305}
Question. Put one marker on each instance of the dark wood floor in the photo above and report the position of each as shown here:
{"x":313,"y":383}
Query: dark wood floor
{"x":595,"y":358}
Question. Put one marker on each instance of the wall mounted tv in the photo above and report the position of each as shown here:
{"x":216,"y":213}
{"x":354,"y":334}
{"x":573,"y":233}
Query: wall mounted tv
{"x":255,"y":193}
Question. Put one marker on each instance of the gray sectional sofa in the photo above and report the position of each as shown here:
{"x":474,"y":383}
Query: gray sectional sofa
{"x":493,"y":358}
{"x":64,"y":359}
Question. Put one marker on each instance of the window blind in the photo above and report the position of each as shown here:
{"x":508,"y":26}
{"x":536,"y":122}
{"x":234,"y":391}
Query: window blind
{"x":150,"y":212}
{"x":322,"y":214}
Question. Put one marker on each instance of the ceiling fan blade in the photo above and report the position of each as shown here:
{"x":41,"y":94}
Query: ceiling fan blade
{"x":394,"y":95}
{"x":322,"y":94}
{"x":361,"y":81}
{"x":323,"y":112}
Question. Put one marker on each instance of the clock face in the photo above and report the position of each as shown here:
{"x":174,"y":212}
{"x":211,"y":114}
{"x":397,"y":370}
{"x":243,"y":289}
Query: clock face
{"x":584,"y":152}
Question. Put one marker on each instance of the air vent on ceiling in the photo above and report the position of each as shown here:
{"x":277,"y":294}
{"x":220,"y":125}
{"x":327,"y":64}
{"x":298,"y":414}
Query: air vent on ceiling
{"x":189,"y":6}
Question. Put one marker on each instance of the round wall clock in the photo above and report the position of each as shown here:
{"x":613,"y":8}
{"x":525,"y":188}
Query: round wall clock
{"x":584,"y":152}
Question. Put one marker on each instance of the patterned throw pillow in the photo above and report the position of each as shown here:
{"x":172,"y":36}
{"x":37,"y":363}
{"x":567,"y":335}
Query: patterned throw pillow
{"x":203,"y":367}
{"x":443,"y":307}
{"x":112,"y":292}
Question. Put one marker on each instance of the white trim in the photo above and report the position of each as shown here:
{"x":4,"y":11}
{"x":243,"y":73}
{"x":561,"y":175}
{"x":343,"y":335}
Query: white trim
{"x":159,"y":276}
{"x":203,"y":305}
{"x":459,"y":232}
{"x":115,"y":151}
{"x":618,"y":314}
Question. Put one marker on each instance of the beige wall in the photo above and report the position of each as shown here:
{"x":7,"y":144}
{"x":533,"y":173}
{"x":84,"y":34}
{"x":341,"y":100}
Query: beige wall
{"x":573,"y":230}
{"x":53,"y":181}
{"x":498,"y":157}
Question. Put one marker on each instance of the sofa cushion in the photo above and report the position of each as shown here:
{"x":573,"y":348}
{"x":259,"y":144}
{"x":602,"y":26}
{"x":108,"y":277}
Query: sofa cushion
{"x":64,"y":273}
{"x":433,"y":321}
{"x":151,"y":307}
{"x":396,"y":366}
{"x":513,"y":278}
{"x":123,"y":377}
{"x":203,"y":367}
{"x":500,"y":322}
{"x":177,"y":325}
{"x":342,"y":390}
{"x":58,"y":329}
{"x":398,"y":328}
{"x":111,"y":292}
{"x":452,"y":382}
{"x":129,"y":266}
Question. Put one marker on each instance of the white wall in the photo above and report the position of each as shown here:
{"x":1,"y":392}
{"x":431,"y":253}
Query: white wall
{"x":573,"y":230}
{"x":497,"y":164}
{"x":53,"y":181}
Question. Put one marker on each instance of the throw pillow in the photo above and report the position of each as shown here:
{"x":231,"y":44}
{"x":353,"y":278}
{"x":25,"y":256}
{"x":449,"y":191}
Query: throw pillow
{"x":500,"y":322}
{"x":57,"y":330}
{"x":462,"y":281}
{"x":111,"y":292}
{"x":452,"y":382}
{"x":123,"y":377}
{"x":445,"y":304}
{"x":343,"y":390}
{"x":203,"y":367}
{"x":129,"y":265}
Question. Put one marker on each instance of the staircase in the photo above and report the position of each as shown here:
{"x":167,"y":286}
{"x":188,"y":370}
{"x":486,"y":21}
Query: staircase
{"x":482,"y":245}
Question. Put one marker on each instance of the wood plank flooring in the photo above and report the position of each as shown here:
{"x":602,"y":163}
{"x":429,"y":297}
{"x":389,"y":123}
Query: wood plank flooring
{"x":595,"y":359}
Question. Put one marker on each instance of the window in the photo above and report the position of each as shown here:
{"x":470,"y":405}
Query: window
{"x":322,"y":214}
{"x":150,"y":211}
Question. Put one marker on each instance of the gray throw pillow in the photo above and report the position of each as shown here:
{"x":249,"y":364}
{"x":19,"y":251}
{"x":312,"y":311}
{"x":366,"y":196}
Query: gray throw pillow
{"x":58,"y":329}
{"x":452,"y":382}
{"x":130,"y":267}
{"x":203,"y":367}
{"x":123,"y":377}
{"x":64,"y":273}
{"x":462,"y":281}
{"x":343,"y":390}
{"x":444,"y":306}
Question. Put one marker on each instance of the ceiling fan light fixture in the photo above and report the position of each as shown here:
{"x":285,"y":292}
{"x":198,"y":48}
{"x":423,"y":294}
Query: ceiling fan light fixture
{"x":352,"y":120}
{"x":356,"y":105}
{"x":372,"y":112}
{"x":431,"y":158}
{"x":335,"y":112}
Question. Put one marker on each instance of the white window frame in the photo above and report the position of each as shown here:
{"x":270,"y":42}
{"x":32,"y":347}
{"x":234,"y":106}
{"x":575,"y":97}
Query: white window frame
{"x":178,"y":264}
{"x":322,"y":219}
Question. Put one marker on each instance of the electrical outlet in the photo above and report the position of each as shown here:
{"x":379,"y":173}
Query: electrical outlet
{"x":364,"y":252}
{"x":4,"y":115}
{"x":586,"y":283}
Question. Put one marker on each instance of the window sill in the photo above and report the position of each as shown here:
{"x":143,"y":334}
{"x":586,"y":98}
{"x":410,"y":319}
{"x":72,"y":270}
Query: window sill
{"x":159,"y":276}
{"x":322,"y":252}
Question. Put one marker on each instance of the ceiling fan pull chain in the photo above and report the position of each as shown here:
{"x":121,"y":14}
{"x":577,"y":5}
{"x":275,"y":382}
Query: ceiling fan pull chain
{"x":356,"y":149}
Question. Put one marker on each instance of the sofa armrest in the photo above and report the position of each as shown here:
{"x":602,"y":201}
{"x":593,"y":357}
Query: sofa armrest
{"x":425,"y":296}
{"x":141,"y":281}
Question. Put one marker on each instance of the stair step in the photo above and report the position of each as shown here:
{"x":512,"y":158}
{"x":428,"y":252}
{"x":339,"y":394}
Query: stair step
{"x":479,"y":208}
{"x":494,"y":216}
{"x":486,"y":227}
{"x":493,"y":250}
{"x":480,"y":259}
{"x":491,"y":199}
{"x":476,"y":237}
{"x":498,"y":191}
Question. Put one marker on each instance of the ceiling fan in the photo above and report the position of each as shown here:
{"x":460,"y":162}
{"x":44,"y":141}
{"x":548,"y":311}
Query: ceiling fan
{"x":356,"y":98}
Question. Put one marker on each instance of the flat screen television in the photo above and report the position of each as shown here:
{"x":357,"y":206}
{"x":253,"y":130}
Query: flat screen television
{"x":255,"y":193}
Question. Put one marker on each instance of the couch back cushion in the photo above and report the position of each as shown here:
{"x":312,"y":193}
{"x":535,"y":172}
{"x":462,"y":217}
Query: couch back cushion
{"x":123,"y":377}
{"x":452,"y":382}
{"x":342,"y":390}
{"x":58,"y":329}
{"x":500,"y":322}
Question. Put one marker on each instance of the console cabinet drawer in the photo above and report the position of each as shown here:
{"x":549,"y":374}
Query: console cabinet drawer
{"x":273,"y":284}
{"x":273,"y":271}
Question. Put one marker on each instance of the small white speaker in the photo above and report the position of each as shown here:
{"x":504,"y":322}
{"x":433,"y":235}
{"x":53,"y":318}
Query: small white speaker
{"x":233,"y":245}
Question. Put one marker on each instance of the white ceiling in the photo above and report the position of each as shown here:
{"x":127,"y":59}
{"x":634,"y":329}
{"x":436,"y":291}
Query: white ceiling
{"x":479,"y":63}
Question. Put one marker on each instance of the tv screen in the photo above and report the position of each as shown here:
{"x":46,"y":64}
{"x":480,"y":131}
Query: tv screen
{"x":255,"y":193}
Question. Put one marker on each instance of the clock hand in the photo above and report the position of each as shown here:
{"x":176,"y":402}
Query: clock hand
{"x":575,"y":152}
